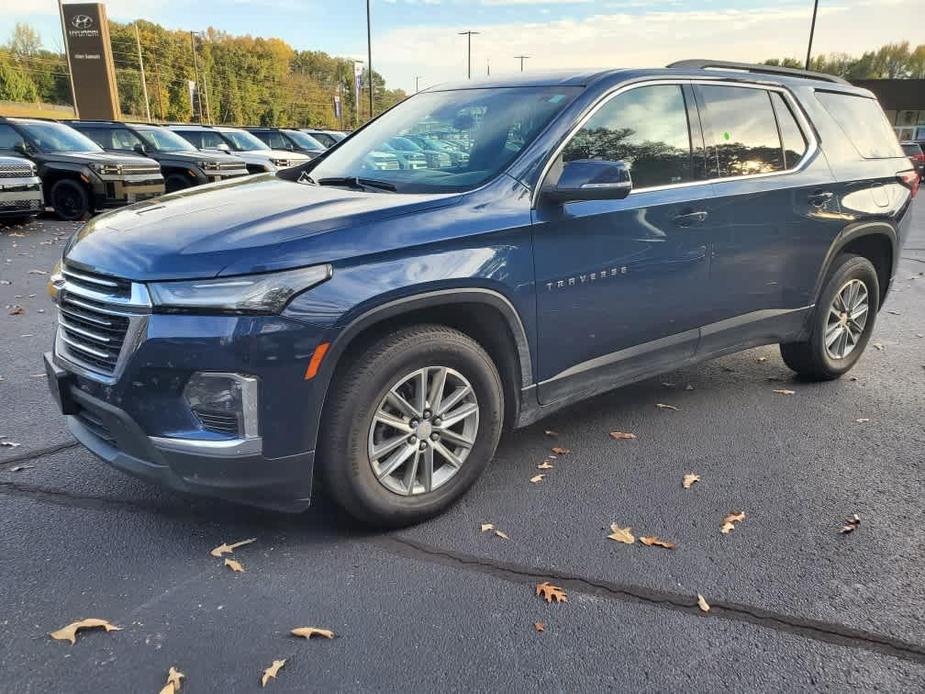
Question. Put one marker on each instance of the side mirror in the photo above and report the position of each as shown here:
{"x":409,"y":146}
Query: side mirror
{"x":591,"y":179}
{"x":22,"y":148}
{"x":223,"y":148}
{"x":141,"y":149}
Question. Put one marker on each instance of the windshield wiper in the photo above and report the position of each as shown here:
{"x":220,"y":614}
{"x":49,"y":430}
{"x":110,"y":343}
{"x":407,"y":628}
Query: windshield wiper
{"x":357,"y":182}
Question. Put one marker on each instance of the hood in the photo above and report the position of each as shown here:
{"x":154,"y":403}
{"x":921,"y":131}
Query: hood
{"x":101,"y":158}
{"x":238,"y":226}
{"x":198,"y":155}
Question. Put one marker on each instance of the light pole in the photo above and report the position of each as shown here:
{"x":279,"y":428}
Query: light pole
{"x":469,"y":34}
{"x":417,"y":83}
{"x":812,"y":30}
{"x":141,"y":64}
{"x":521,"y":58}
{"x":369,"y":57}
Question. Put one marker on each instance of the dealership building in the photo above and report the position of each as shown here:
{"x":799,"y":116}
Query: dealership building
{"x":904,"y":104}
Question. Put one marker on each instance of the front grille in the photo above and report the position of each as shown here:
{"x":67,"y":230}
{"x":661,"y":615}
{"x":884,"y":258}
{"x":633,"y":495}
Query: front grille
{"x":282,"y":163}
{"x":96,"y":426}
{"x":16,"y":170}
{"x":218,"y":422}
{"x":100,"y":283}
{"x":139,"y":170}
{"x":21,"y":205}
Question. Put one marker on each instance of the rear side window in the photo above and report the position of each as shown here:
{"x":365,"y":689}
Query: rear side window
{"x":744,"y":130}
{"x":790,"y":133}
{"x":210,"y":140}
{"x":645,"y":127}
{"x":864,"y":123}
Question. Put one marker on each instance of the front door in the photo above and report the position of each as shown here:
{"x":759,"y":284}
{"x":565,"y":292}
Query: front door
{"x":621,"y":283}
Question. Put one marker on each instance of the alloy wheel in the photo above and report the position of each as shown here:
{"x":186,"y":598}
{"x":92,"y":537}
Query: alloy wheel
{"x":423,"y":430}
{"x":846,"y":319}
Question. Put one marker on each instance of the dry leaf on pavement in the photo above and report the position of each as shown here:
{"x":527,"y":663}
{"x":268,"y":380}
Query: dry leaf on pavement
{"x":8,"y":444}
{"x":851,"y":524}
{"x":485,"y":527}
{"x":663,"y":406}
{"x":271,"y":672}
{"x":702,"y":603}
{"x":550,"y":432}
{"x":69,"y":633}
{"x":228,"y":549}
{"x":545,"y":465}
{"x":761,"y":360}
{"x":550,"y":593}
{"x":536,"y":479}
{"x":234,"y":565}
{"x":878,"y":346}
{"x":689,"y":480}
{"x":618,"y":534}
{"x":862,"y":420}
{"x":688,"y":387}
{"x":784,"y":391}
{"x":20,"y":468}
{"x":622,"y":436}
{"x":17,"y":310}
{"x":539,"y":626}
{"x":652,"y":541}
{"x":558,"y":450}
{"x":173,"y":681}
{"x":730,"y":520}
{"x":502,"y":534}
{"x":308,"y":632}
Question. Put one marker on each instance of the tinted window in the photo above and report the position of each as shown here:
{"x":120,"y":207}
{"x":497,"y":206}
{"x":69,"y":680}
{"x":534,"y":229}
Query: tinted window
{"x":912,"y":150}
{"x":191,"y":137}
{"x":325,"y":139}
{"x":790,"y":133}
{"x":863,"y":122}
{"x":9,"y":138}
{"x":743,"y":129}
{"x":164,"y":140}
{"x":211,"y":140}
{"x":646,"y":128}
{"x":111,"y":138}
{"x":274,"y":139}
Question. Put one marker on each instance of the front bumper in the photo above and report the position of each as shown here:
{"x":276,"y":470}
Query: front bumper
{"x":20,"y":196}
{"x":116,"y":191}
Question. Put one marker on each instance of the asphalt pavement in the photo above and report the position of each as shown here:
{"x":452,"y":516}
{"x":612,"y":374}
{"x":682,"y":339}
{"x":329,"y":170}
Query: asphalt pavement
{"x":795,"y":604}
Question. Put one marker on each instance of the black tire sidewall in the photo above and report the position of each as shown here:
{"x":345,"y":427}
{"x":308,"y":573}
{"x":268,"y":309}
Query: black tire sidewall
{"x":351,"y":477}
{"x":851,"y":267}
{"x":76,"y":189}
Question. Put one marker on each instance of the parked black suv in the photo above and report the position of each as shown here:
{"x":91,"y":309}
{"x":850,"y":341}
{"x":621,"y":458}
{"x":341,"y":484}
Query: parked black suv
{"x":78,"y":177}
{"x":290,"y":140}
{"x":182,"y":165}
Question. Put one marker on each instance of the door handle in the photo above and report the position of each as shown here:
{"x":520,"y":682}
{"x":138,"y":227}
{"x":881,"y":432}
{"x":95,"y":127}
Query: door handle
{"x":820,"y":198}
{"x":688,"y":219}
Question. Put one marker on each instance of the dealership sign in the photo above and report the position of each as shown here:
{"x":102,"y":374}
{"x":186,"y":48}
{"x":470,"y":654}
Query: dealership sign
{"x":89,"y":57}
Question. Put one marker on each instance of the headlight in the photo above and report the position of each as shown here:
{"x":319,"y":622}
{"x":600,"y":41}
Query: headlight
{"x":268,"y":293}
{"x":107,"y":169}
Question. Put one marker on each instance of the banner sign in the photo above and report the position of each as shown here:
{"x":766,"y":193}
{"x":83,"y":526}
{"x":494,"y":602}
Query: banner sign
{"x":89,"y":57}
{"x":357,"y":84}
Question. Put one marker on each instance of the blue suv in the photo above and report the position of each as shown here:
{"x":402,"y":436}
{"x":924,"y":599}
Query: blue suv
{"x":379,"y":328}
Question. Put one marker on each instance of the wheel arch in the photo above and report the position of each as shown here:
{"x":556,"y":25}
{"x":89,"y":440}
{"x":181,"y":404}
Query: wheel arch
{"x":876,"y":241}
{"x":52,"y":175}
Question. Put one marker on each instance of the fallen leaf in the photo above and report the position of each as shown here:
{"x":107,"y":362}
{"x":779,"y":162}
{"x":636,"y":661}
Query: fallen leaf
{"x":761,"y":360}
{"x":618,"y":534}
{"x":652,"y":541}
{"x":550,"y":432}
{"x":727,"y":528}
{"x":545,"y":465}
{"x":879,"y":346}
{"x":308,"y":632}
{"x":536,"y":479}
{"x":702,"y":603}
{"x":663,"y":406}
{"x":730,"y":520}
{"x":20,"y":468}
{"x":668,"y":385}
{"x":17,"y":310}
{"x":688,"y":387}
{"x":851,"y":524}
{"x":539,"y":626}
{"x":502,"y":534}
{"x":551,"y":593}
{"x":5,"y":282}
{"x":36,"y":272}
{"x":9,"y":444}
{"x":271,"y":672}
{"x":485,"y":527}
{"x":784,"y":391}
{"x":69,"y":633}
{"x":558,"y":450}
{"x":173,"y":681}
{"x":894,"y":313}
{"x":234,"y":565}
{"x":228,"y":549}
{"x":862,"y":420}
{"x":689,"y":480}
{"x":622,"y":436}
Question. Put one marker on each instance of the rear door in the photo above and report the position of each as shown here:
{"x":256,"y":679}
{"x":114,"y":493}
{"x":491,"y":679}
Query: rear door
{"x":776,"y":213}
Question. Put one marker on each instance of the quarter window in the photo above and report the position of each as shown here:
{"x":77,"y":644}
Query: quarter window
{"x":862,"y":120}
{"x":790,"y":133}
{"x":645,"y":127}
{"x":744,"y":130}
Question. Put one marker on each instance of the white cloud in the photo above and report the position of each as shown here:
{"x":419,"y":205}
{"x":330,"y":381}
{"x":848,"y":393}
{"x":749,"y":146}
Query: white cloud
{"x":649,"y":38}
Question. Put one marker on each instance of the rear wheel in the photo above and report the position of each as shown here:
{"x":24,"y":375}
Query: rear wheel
{"x":175,"y":182}
{"x":412,"y":422}
{"x":842,"y":322}
{"x":69,"y":199}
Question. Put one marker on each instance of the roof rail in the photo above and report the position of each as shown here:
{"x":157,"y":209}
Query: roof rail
{"x":701,"y":64}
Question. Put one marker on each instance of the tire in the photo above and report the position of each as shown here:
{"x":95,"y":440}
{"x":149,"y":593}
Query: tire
{"x":349,"y":435}
{"x":175,"y":182}
{"x":813,"y":359}
{"x":69,"y":199}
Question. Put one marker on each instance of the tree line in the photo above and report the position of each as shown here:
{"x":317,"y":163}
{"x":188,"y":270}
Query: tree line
{"x":892,"y":61}
{"x":242,"y":79}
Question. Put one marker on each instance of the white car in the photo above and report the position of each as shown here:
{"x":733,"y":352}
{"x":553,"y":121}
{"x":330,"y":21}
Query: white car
{"x":257,"y":155}
{"x":20,"y":189}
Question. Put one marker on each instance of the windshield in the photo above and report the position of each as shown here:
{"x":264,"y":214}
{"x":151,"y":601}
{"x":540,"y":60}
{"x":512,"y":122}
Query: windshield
{"x":491,"y":125}
{"x":305,"y":141}
{"x":242,"y":141}
{"x":54,"y":137}
{"x":163,"y":140}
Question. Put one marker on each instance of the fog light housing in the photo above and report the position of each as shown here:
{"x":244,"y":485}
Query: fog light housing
{"x":224,"y":403}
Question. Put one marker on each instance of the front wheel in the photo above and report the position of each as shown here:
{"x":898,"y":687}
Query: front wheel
{"x":842,"y":322}
{"x":411,"y":423}
{"x":69,"y":200}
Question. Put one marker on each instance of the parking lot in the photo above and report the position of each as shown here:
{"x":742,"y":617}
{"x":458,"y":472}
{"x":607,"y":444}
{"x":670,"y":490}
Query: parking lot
{"x":795,"y":604}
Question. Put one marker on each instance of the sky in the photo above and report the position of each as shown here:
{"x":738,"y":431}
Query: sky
{"x":419,"y":38}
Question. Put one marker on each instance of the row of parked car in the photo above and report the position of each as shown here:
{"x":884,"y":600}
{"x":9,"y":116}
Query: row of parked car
{"x":78,"y":167}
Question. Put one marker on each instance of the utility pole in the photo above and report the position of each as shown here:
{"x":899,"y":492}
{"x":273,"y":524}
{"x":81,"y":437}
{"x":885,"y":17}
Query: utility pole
{"x":369,"y":58}
{"x":521,"y":58}
{"x":141,"y":65}
{"x":192,"y":42}
{"x":67,"y":58}
{"x":469,"y":35}
{"x":160,"y":94}
{"x":812,"y":30}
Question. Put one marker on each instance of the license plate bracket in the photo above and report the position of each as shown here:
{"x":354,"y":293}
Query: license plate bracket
{"x":60,"y":383}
